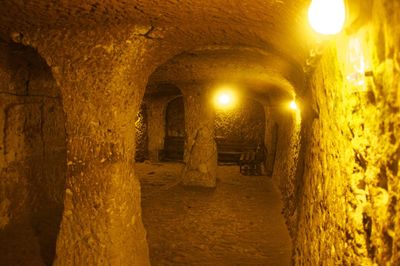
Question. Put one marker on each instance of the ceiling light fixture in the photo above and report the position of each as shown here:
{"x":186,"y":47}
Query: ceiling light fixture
{"x":293,"y":105}
{"x":327,"y":17}
{"x":225,"y":98}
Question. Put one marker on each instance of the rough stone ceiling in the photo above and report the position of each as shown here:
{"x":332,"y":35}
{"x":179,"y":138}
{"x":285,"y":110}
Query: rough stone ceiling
{"x":259,"y":42}
{"x":254,"y":71}
{"x":271,"y":24}
{"x":270,"y":13}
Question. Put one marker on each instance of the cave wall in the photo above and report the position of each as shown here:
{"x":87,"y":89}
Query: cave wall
{"x":286,"y":160}
{"x":348,"y":209}
{"x":243,"y":123}
{"x":32,"y":157}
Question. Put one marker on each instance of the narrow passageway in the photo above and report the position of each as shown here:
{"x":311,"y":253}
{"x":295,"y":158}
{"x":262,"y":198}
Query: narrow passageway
{"x":95,"y":94}
{"x":237,"y":223}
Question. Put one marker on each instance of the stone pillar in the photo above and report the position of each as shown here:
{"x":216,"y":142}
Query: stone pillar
{"x":102,"y":89}
{"x":156,"y":125}
{"x":200,"y":154}
{"x":102,"y":222}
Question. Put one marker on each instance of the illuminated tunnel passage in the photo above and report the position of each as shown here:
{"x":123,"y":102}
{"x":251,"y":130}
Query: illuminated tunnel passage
{"x":237,"y":223}
{"x":74,"y":74}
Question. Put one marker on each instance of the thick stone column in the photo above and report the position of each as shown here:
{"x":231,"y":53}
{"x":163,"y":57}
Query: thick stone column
{"x":102,"y":214}
{"x":200,"y":154}
{"x":102,"y":88}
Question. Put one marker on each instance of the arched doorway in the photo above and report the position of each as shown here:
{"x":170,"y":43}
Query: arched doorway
{"x":32,"y":157}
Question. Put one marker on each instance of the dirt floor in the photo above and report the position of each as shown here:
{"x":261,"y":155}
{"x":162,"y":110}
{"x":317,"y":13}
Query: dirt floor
{"x":237,"y":223}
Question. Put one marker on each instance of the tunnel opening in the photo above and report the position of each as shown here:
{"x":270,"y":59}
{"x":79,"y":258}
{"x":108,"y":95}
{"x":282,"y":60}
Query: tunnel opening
{"x":193,"y":137}
{"x":237,"y":130}
{"x":32,"y":157}
{"x":174,"y":141}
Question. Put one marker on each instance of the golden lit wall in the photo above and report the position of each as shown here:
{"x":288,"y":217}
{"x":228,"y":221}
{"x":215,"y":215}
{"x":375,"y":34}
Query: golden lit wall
{"x":349,"y":211}
{"x":245,"y":122}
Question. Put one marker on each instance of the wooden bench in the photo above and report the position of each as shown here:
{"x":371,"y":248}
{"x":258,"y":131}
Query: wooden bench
{"x":250,"y":162}
{"x":229,"y":152}
{"x":245,"y":155}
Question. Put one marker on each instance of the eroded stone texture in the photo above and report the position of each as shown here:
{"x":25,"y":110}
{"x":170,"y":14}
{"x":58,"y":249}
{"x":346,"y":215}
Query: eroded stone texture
{"x":339,"y":171}
{"x":243,"y":123}
{"x":259,"y":24}
{"x":285,"y":166}
{"x":32,"y":157}
{"x":101,"y":94}
{"x":200,"y":154}
{"x":348,"y":213}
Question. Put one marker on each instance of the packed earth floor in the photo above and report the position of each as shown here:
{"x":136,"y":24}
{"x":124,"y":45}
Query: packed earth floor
{"x":237,"y":223}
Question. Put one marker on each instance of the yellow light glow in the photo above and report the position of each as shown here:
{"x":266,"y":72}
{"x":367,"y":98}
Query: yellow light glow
{"x":225,"y":98}
{"x":327,"y":16}
{"x":293,"y":105}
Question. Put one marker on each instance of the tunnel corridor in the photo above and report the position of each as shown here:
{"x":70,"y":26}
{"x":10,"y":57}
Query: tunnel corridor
{"x":85,"y":131}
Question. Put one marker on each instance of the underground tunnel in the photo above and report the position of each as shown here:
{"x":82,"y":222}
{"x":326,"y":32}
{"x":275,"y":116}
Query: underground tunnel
{"x":200,"y":132}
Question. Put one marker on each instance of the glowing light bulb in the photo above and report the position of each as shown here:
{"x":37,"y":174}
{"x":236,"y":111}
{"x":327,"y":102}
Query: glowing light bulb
{"x":327,"y":16}
{"x":293,"y":105}
{"x":224,"y":99}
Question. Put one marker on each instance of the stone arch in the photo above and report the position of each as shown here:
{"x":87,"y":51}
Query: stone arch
{"x":32,"y":156}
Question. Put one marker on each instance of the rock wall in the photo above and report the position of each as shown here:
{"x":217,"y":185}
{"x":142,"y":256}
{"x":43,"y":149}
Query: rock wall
{"x":32,"y":157}
{"x":243,"y":123}
{"x":286,"y":161}
{"x":347,"y":209}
